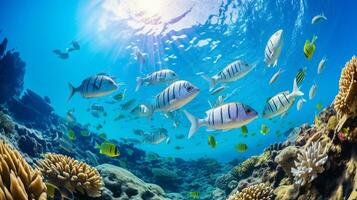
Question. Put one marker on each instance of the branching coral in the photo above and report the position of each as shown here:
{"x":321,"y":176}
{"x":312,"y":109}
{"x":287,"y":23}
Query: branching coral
{"x":18,"y":181}
{"x":254,"y":192}
{"x":72,"y":174}
{"x":345,"y":102}
{"x":309,"y":163}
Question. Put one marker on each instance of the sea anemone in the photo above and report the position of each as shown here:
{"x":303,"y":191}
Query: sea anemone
{"x":72,"y":174}
{"x":345,"y":102}
{"x":254,"y":192}
{"x":309,"y":163}
{"x":17,"y":179}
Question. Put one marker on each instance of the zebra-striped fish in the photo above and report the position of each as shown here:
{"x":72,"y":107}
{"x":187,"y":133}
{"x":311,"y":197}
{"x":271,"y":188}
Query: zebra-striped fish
{"x":230,"y":73}
{"x":94,"y":86}
{"x":273,"y":48}
{"x":175,"y":96}
{"x":225,"y":117}
{"x":300,"y":75}
{"x":161,"y":76}
{"x":281,"y":102}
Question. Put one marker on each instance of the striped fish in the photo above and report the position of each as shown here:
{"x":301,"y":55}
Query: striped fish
{"x":162,"y":76}
{"x":94,"y":86}
{"x":175,"y":96}
{"x":281,"y":102}
{"x":225,"y":117}
{"x":300,"y":76}
{"x":230,"y":73}
{"x":273,"y":48}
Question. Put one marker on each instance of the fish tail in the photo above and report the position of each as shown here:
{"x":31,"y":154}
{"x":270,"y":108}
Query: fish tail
{"x":139,"y":83}
{"x":72,"y":91}
{"x":194,"y":124}
{"x":314,"y":38}
{"x":211,"y":81}
{"x":296,"y":90}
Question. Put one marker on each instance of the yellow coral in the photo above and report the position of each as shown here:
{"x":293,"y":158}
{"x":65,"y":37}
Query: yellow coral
{"x":254,"y":192}
{"x":245,"y":166}
{"x":18,"y":181}
{"x":72,"y":174}
{"x":345,"y":102}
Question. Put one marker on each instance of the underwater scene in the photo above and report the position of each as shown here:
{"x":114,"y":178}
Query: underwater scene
{"x":178,"y":100}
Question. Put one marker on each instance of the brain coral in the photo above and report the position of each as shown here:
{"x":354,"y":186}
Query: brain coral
{"x":254,"y":192}
{"x":309,"y":163}
{"x":345,"y":102}
{"x":18,"y":181}
{"x":72,"y":174}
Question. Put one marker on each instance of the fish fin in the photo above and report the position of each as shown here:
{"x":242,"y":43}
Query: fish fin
{"x":139,"y":83}
{"x":194,"y":124}
{"x":209,"y":130}
{"x":275,"y":63}
{"x":296,"y":90}
{"x":226,"y":130}
{"x":210,"y":104}
{"x":323,"y":15}
{"x":72,"y":91}
{"x":211,"y":81}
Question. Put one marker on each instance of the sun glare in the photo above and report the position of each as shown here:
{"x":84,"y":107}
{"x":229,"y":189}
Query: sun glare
{"x":150,"y":7}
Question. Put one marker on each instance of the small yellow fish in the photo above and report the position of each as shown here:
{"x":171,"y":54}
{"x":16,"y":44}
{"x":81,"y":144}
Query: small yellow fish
{"x":253,"y":134}
{"x":309,"y":47}
{"x":317,"y":121}
{"x":195,"y":195}
{"x":318,"y":106}
{"x":244,"y":130}
{"x":212,"y":141}
{"x":241,"y":147}
{"x":71,"y":134}
{"x":108,"y":148}
{"x":103,"y":136}
{"x":264,"y":129}
{"x":120,"y":96}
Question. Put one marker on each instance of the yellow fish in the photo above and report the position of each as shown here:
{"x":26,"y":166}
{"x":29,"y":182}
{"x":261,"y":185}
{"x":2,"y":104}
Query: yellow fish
{"x":244,"y":130}
{"x":309,"y":47}
{"x":318,"y":106}
{"x":107,"y":148}
{"x":264,"y":129}
{"x":71,"y":134}
{"x":317,"y":121}
{"x":212,"y":141}
{"x":195,"y":195}
{"x":241,"y":147}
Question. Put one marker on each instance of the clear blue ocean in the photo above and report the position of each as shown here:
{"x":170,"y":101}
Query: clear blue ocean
{"x":189,"y":37}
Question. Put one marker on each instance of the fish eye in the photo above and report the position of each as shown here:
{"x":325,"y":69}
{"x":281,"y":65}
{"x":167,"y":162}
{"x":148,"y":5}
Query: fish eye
{"x":189,"y":88}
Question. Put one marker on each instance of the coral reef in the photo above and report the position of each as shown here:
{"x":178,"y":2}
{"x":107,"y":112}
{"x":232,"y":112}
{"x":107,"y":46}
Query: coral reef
{"x":121,"y":184}
{"x":6,"y":123}
{"x":255,"y":192}
{"x":309,"y":163}
{"x":12,"y":72}
{"x":286,"y":158}
{"x":345,"y":102}
{"x":72,"y":174}
{"x":17,"y":179}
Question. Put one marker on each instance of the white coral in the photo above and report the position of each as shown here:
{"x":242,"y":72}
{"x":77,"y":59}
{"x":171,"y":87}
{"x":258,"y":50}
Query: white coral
{"x":309,"y":163}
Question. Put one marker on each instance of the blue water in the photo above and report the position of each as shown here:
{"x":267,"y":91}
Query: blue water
{"x":187,"y":37}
